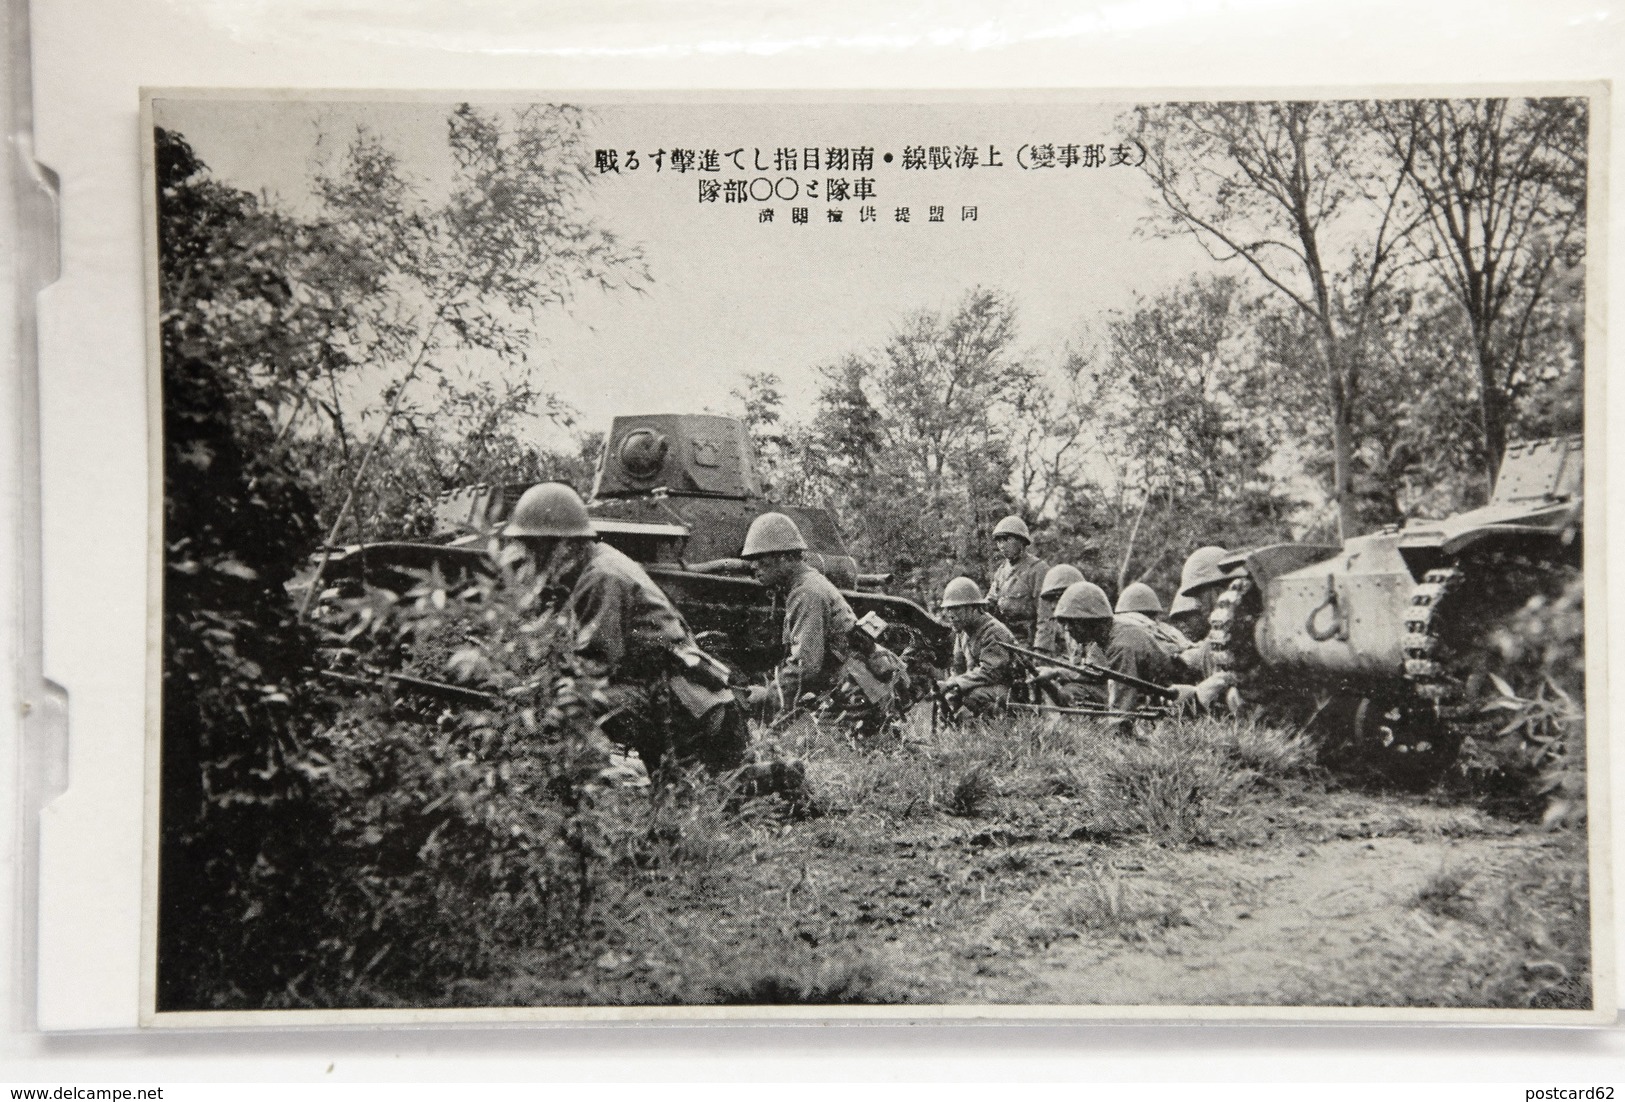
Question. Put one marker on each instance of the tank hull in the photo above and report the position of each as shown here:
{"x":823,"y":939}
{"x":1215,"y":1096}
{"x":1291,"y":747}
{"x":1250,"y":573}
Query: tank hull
{"x":1391,"y":632}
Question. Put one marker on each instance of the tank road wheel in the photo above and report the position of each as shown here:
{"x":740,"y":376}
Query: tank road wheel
{"x":1397,"y":739}
{"x":1230,"y":629}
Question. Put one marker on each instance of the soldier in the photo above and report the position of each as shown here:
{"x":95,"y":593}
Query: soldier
{"x":1058,"y":686}
{"x":826,"y":649}
{"x":983,"y":672}
{"x":1014,"y":592}
{"x":1128,"y":648}
{"x":1138,"y":605}
{"x":665,"y":697}
{"x":1200,"y":583}
{"x":1051,"y":636}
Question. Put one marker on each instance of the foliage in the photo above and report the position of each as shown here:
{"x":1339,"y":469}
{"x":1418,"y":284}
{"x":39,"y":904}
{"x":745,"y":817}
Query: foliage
{"x":1499,"y":187}
{"x":1538,"y":747}
{"x":309,"y":852}
{"x":459,"y":833}
{"x":1298,"y":192}
{"x":237,"y":524}
{"x":444,"y":286}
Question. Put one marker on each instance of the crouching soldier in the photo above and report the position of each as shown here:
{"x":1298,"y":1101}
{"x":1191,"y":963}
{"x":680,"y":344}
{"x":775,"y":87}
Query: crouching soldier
{"x":665,"y":697}
{"x":1138,"y":605}
{"x":820,"y":629}
{"x":1055,"y":685}
{"x":983,"y":670}
{"x":1127,"y":648}
{"x":1201,"y":582}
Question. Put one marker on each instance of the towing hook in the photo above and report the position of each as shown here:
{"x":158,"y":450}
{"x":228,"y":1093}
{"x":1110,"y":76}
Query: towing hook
{"x":1339,"y":626}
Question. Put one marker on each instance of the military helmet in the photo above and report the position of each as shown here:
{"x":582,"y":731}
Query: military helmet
{"x":1139,"y":597}
{"x":549,"y":510}
{"x":962,"y":592}
{"x":1083,"y":601}
{"x":1201,"y":569}
{"x":1013,"y":526}
{"x":1058,"y":578}
{"x":772,"y":532}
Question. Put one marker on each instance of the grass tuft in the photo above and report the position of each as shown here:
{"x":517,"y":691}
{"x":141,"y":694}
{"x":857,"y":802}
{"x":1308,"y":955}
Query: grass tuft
{"x":972,"y":793}
{"x":772,"y":981}
{"x":1444,"y":893}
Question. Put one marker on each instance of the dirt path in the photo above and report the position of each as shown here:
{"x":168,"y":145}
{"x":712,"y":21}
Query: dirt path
{"x":1334,"y":921}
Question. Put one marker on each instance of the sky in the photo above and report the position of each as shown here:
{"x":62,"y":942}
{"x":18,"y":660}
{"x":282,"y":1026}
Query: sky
{"x":731,"y":295}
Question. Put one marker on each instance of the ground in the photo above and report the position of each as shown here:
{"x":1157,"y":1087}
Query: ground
{"x":1054,"y":862}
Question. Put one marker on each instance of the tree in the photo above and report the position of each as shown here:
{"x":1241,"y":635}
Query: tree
{"x":1185,"y":412}
{"x":1296,"y":191}
{"x":437,"y":281}
{"x":913,"y":443}
{"x":238,"y":523}
{"x":1500,"y":187}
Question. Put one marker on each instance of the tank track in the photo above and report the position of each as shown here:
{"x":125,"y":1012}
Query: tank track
{"x":1424,"y":651}
{"x":1230,"y":629}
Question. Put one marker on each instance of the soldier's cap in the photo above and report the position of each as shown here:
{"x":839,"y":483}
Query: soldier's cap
{"x":962,"y":592}
{"x":772,"y":532}
{"x":1139,"y":597}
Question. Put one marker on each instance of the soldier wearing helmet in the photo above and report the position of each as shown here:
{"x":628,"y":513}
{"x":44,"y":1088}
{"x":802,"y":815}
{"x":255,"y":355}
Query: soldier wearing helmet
{"x":983,"y":671}
{"x":1200,"y":583}
{"x":665,"y":697}
{"x":817,"y":619}
{"x":1013,"y":594}
{"x":1138,"y":604}
{"x":1127,"y":648}
{"x":1050,"y":636}
{"x":1058,"y":686}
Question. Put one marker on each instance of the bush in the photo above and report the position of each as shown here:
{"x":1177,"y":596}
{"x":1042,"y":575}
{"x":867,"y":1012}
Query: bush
{"x":1531,"y":755}
{"x":460,"y":832}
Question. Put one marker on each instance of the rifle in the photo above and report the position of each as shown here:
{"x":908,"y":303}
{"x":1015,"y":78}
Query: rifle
{"x":1099,"y":713}
{"x":1089,"y":669}
{"x":434,"y":690}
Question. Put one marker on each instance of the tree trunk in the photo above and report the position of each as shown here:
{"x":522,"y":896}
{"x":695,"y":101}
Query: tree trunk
{"x":1492,"y":414}
{"x":1337,"y":392}
{"x":1348,"y":523}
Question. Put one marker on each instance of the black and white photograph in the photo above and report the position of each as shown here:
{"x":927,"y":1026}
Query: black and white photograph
{"x":904,"y":555}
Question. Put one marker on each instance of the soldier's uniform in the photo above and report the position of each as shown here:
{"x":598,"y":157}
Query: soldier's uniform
{"x":1132,"y":650}
{"x":1172,"y":641}
{"x":1198,"y":660}
{"x":983,"y":671}
{"x":1013,"y":594}
{"x":662,"y":703}
{"x":817,"y":623}
{"x":860,"y":687}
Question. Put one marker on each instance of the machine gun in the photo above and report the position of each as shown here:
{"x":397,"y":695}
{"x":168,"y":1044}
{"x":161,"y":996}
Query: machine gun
{"x":1090,"y":670}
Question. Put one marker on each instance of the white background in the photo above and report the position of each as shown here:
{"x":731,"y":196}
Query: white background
{"x":92,"y":56}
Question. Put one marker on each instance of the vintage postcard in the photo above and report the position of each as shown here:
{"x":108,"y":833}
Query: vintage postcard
{"x":1024,"y":555}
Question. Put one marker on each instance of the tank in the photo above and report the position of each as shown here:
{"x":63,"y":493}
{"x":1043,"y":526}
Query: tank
{"x":676,"y":492}
{"x":1390,"y":633}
